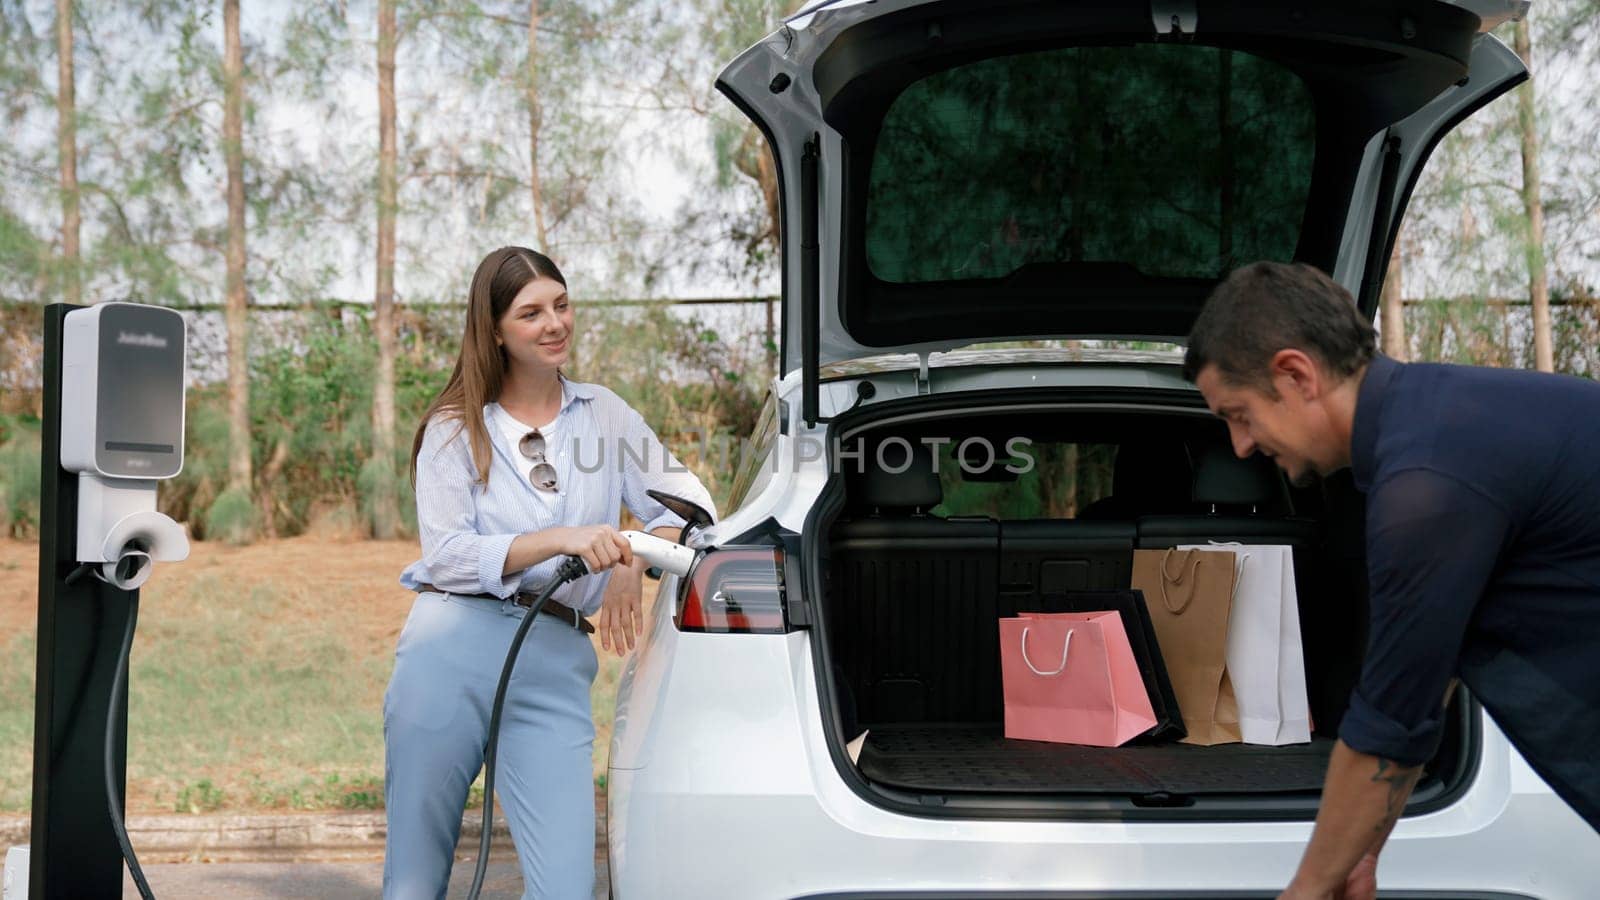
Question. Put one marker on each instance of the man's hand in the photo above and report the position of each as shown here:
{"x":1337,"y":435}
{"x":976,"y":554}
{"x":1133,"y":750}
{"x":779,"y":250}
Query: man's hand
{"x":621,"y":616}
{"x":1360,"y":884}
{"x":1361,"y":801}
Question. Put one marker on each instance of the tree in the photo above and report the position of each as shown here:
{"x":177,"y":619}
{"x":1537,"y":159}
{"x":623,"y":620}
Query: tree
{"x":239,"y":475}
{"x":385,"y":513}
{"x":1393,"y":307}
{"x":1468,"y":231}
{"x":67,"y":138}
{"x":1538,"y":281}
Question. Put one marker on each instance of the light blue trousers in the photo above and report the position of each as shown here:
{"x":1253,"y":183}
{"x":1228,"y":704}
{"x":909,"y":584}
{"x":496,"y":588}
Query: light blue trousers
{"x":435,"y":724}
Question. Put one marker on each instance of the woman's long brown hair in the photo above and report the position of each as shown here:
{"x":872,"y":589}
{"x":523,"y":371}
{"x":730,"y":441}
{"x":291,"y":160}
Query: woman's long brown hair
{"x":480,"y":369}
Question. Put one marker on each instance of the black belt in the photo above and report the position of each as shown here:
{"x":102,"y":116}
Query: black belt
{"x":525,"y":600}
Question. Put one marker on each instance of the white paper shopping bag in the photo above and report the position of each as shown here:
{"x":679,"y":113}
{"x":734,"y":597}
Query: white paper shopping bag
{"x":1266,"y":661}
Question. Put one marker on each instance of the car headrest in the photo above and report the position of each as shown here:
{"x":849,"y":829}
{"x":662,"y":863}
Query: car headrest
{"x":1152,"y":475}
{"x":917,"y":487}
{"x":1224,"y":479}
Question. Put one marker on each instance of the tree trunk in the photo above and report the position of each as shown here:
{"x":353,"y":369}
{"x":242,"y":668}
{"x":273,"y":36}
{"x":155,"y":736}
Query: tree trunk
{"x":1538,"y":283}
{"x":1394,"y":313}
{"x":238,"y":339}
{"x":771,"y":339}
{"x":536,"y":185}
{"x":1070,"y":471}
{"x":535,"y":120}
{"x":67,"y":140}
{"x":1225,"y":159}
{"x":385,"y":518}
{"x":753,"y":159}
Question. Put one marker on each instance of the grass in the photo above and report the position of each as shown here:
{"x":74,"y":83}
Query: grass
{"x":16,"y":722}
{"x":250,"y":688}
{"x":239,"y":699}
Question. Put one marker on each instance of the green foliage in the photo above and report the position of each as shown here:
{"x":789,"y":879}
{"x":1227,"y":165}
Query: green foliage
{"x":205,"y":459}
{"x":420,"y":373}
{"x":23,"y":257}
{"x":232,"y":518}
{"x":1061,"y":481}
{"x":361,"y":793}
{"x":311,"y":420}
{"x":712,"y":401}
{"x":331,"y":791}
{"x":200,"y":797}
{"x":19,"y":476}
{"x":16,"y":719}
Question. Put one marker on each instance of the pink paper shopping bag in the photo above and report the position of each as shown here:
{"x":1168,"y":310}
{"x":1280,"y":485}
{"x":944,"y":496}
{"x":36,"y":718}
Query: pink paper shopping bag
{"x":1072,"y":678}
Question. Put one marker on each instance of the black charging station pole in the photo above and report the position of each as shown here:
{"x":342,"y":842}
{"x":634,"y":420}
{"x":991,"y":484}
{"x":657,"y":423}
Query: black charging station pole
{"x":73,"y":852}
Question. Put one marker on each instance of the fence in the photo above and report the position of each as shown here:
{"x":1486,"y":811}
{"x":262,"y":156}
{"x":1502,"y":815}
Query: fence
{"x":1484,"y":331}
{"x":429,"y":332}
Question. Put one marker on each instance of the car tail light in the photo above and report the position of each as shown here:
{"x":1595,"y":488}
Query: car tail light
{"x":734,"y":590}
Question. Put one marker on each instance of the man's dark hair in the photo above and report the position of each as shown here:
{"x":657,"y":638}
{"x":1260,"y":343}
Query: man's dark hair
{"x":1265,"y":307}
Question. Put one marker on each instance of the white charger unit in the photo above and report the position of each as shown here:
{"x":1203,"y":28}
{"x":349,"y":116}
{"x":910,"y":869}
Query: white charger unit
{"x":124,"y":374}
{"x":16,"y":873}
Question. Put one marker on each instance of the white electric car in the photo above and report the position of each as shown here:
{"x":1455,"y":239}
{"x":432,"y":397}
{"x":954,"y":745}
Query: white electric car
{"x":815,"y":709}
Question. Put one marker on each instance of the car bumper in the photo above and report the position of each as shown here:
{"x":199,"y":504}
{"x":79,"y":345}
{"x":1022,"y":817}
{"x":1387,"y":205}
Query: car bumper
{"x":746,"y":803}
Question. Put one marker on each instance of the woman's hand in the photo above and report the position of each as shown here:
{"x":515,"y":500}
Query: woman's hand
{"x":600,"y":546}
{"x":620,"y":614}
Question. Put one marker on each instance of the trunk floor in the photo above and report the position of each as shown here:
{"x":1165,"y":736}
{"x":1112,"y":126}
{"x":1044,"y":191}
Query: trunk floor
{"x":979,"y":759}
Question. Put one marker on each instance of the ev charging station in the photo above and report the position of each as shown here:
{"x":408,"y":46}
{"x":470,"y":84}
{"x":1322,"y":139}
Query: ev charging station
{"x":114,"y":390}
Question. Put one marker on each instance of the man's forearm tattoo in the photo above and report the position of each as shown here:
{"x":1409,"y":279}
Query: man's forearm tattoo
{"x":1401,"y":779}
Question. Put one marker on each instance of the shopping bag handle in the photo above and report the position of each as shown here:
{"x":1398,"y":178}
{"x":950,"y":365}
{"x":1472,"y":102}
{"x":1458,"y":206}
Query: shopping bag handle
{"x":1194,"y":558}
{"x":1240,"y":558}
{"x":1065,"y":644}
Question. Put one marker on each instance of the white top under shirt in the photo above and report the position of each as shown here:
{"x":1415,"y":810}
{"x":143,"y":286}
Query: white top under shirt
{"x":514,"y":430}
{"x":466,"y":528}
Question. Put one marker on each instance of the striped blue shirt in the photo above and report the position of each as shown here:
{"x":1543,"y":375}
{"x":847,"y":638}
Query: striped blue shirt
{"x":605,"y":456}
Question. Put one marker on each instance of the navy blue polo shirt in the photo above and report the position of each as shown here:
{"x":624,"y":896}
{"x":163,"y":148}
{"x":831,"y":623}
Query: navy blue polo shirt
{"x":1483,"y":556}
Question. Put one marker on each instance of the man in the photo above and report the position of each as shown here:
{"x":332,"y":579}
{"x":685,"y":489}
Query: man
{"x":1483,"y":542}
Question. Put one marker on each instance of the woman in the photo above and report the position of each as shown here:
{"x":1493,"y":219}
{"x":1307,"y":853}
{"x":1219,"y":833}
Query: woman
{"x":501,"y":501}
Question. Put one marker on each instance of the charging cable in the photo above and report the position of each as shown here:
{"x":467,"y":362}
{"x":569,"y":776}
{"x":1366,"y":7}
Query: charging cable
{"x":118,"y":682}
{"x":571,"y":570}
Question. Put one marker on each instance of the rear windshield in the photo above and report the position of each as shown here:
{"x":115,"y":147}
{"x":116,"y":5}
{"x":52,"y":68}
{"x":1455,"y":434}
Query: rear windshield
{"x":1180,"y":160}
{"x":1051,"y":480}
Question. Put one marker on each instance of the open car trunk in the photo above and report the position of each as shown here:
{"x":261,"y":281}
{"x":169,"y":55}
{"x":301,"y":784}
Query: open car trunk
{"x":920,"y":568}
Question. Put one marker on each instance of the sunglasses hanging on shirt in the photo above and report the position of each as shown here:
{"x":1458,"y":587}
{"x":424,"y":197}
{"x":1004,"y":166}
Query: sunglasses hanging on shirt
{"x":542,"y":475}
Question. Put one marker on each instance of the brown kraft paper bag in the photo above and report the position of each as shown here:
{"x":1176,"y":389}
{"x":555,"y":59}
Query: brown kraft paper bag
{"x":1190,"y":595}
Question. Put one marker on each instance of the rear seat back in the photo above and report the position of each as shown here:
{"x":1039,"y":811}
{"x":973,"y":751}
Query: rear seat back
{"x":911,"y":599}
{"x":1149,"y":477}
{"x":1239,"y":500}
{"x":915,"y":600}
{"x":1054,"y":556}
